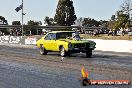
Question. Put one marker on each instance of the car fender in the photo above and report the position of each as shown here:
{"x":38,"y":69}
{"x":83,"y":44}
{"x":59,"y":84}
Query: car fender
{"x":63,"y":43}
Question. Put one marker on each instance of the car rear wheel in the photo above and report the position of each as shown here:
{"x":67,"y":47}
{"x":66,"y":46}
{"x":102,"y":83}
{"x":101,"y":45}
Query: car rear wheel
{"x":89,"y":52}
{"x":43,"y":51}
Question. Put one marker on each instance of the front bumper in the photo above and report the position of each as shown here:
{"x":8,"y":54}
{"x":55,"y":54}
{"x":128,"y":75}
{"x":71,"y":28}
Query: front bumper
{"x":92,"y":48}
{"x":78,"y":50}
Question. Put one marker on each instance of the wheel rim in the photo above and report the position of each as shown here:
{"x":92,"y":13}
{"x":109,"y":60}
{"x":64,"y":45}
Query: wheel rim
{"x":62,"y":52}
{"x":41,"y":49}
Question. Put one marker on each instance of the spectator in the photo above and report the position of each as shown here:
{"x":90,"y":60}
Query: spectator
{"x":123,"y":32}
{"x":115,"y":32}
{"x":3,"y":34}
{"x":0,"y":33}
{"x":110,"y":32}
{"x":76,"y":36}
{"x":95,"y":32}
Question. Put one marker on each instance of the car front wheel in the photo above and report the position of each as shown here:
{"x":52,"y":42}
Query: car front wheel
{"x":63,"y":52}
{"x":89,"y":52}
{"x":43,"y":51}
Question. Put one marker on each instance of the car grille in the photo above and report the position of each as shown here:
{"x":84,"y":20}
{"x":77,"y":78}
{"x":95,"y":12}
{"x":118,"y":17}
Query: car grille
{"x":79,"y":45}
{"x":87,"y":45}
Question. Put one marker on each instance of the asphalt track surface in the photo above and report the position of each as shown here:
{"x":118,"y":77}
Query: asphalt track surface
{"x":23,"y":67}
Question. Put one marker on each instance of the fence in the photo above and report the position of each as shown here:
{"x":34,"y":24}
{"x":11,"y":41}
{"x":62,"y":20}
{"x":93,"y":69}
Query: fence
{"x":28,"y":40}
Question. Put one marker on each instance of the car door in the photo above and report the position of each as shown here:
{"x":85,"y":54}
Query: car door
{"x":50,"y":42}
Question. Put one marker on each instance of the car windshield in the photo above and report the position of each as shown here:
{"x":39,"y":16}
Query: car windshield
{"x":63,"y":35}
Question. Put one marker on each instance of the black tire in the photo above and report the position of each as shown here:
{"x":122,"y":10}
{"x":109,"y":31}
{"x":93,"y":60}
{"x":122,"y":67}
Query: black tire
{"x":43,"y":51}
{"x":63,"y":52}
{"x":86,"y":82}
{"x":89,"y":52}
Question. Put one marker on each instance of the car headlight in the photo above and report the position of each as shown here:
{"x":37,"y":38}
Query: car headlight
{"x":93,"y":43}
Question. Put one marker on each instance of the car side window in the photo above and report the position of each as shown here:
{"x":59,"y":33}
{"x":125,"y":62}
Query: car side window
{"x":50,"y":36}
{"x":53,"y":36}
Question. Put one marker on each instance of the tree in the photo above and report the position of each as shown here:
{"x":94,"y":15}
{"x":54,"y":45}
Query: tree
{"x":31,"y":25}
{"x":79,"y":21}
{"x":49,"y":21}
{"x":16,"y":31}
{"x":89,"y":22}
{"x":3,"y":21}
{"x":16,"y":23}
{"x":65,"y":14}
{"x":103,"y":23}
{"x":110,"y":24}
{"x":112,"y":17}
{"x":126,"y":7}
{"x":34,"y":23}
{"x":121,"y":20}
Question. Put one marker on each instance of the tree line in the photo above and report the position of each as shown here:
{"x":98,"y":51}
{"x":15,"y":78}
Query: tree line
{"x":65,"y":16}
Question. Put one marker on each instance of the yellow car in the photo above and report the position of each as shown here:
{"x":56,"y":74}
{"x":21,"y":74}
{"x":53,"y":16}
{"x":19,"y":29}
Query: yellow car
{"x":65,"y":42}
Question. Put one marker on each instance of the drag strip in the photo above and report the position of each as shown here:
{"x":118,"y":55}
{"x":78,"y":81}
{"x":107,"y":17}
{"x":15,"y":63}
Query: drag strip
{"x":23,"y":67}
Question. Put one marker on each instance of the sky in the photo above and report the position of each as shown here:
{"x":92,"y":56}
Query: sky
{"x":37,"y":9}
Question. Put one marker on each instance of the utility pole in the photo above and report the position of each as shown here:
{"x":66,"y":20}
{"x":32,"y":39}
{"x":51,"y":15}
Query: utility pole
{"x":22,"y":17}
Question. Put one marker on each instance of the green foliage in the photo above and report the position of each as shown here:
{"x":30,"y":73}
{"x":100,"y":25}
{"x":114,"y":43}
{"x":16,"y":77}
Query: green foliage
{"x":34,"y":23}
{"x":103,"y":23}
{"x":65,"y":14}
{"x":122,"y":20}
{"x":30,"y":26}
{"x":126,"y":7}
{"x":110,"y":24}
{"x":3,"y":21}
{"x":16,"y":23}
{"x":88,"y":22}
{"x":15,"y":30}
{"x":122,"y":17}
{"x":49,"y":21}
{"x":113,"y":17}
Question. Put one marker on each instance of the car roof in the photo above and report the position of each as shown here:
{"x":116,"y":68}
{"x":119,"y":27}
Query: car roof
{"x":60,"y":31}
